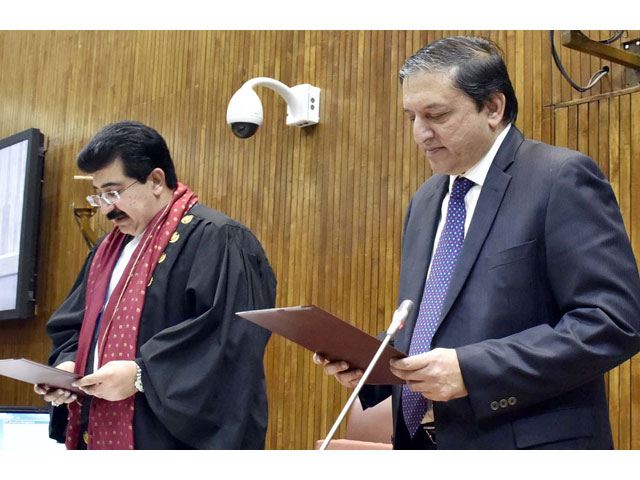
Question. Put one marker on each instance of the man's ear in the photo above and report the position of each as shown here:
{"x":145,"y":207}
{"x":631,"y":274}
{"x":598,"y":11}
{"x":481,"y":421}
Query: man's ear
{"x":495,"y":106}
{"x":157,"y":179}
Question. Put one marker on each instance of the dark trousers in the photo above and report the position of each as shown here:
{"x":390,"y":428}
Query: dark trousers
{"x":424,"y":439}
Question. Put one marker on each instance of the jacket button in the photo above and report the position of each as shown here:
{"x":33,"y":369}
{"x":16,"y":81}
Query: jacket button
{"x":512,"y":400}
{"x":503,"y":403}
{"x":494,"y":405}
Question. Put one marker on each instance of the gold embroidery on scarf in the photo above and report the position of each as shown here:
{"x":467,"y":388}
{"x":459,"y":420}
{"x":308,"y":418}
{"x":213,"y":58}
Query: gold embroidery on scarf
{"x":157,"y":226}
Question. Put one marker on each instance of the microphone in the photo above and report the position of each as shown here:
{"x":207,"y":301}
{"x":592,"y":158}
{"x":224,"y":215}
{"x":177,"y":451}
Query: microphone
{"x":397,"y":322}
{"x":400,"y":316}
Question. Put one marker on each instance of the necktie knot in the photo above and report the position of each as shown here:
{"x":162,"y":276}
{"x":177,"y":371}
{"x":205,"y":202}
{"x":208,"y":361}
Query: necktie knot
{"x":461,"y":187}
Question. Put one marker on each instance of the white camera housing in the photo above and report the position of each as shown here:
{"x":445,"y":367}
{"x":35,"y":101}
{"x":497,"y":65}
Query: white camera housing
{"x":245,"y":114}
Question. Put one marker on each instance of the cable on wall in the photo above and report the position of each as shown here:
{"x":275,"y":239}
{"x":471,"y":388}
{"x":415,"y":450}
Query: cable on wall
{"x":596,"y":77}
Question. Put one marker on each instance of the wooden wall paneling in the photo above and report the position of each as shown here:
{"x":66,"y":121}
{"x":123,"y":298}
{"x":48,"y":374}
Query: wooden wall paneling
{"x":313,"y":190}
{"x":613,"y":133}
{"x":330,"y":73}
{"x":572,"y":129}
{"x":556,"y":79}
{"x":541,"y":77}
{"x":593,"y":129}
{"x":294,"y":245}
{"x":603,"y":133}
{"x":549,"y":126}
{"x":623,"y":199}
{"x":375,"y":171}
{"x":400,"y":162}
{"x":275,"y":354}
{"x":527,"y":73}
{"x":304,"y":248}
{"x":513,"y":49}
{"x":341,"y":187}
{"x":269,"y":234}
{"x":574,"y":71}
{"x":634,"y":216}
{"x":566,"y":92}
{"x":547,"y":88}
{"x":583,"y":128}
{"x":394,"y":193}
{"x":286,"y":248}
{"x":318,"y":55}
{"x":393,"y":214}
{"x":310,"y":221}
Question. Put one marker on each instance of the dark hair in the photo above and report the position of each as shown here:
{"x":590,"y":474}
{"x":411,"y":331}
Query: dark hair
{"x":140,"y":148}
{"x":475,"y":65}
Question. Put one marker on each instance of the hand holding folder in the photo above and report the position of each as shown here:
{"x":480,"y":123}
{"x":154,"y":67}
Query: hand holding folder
{"x":325,"y":334}
{"x":38,"y":374}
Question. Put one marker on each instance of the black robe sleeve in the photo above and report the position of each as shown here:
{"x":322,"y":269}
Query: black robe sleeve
{"x":63,"y":328}
{"x":204,"y":376}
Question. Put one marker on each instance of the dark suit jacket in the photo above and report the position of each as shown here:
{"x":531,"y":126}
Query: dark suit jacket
{"x":544,"y":299}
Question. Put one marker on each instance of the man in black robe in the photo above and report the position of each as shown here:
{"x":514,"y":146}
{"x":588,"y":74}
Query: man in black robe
{"x":197,"y":377}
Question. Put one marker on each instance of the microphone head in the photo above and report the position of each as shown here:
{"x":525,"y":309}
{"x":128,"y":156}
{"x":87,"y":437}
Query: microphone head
{"x":406,"y":305}
{"x":400,"y":316}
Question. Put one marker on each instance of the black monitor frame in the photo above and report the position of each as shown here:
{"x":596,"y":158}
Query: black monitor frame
{"x":27,"y":260}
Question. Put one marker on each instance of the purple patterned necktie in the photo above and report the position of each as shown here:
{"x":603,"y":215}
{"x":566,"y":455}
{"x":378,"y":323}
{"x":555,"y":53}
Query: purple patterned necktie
{"x":414,"y":405}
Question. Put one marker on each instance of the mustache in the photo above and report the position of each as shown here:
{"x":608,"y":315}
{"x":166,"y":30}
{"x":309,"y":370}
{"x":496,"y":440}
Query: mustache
{"x":115,"y":214}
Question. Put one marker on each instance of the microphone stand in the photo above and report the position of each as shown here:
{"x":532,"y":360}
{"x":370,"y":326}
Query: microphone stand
{"x":396,"y":324}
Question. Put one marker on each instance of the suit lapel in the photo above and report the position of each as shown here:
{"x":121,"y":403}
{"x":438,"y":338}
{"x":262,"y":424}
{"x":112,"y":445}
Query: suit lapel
{"x":491,"y":196}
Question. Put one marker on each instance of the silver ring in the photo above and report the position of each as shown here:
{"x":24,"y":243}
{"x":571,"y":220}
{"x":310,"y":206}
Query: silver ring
{"x":55,"y":404}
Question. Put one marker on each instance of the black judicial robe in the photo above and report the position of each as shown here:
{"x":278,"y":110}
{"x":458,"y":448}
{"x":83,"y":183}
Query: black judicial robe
{"x":202,"y":366}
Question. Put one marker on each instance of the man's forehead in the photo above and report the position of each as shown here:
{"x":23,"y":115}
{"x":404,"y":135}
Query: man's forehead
{"x":430,"y":90}
{"x":110,"y":176}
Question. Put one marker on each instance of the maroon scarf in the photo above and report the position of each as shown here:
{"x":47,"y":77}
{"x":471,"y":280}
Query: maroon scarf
{"x":111,"y":423}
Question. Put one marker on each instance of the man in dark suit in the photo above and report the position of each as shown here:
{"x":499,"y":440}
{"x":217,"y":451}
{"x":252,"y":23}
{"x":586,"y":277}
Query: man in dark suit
{"x":516,"y":257}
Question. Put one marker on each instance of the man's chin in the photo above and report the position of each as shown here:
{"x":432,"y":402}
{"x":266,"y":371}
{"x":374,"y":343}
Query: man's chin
{"x":437,"y":167}
{"x":121,"y":225}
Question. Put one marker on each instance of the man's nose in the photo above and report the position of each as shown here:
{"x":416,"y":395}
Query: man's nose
{"x":105,"y":207}
{"x":422,"y":131}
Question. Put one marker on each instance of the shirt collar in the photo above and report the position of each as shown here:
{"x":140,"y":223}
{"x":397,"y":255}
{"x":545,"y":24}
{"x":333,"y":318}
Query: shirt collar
{"x":478,"y":173}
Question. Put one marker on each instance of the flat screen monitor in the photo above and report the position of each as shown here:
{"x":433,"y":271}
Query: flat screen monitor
{"x":26,"y":428}
{"x":21,"y":160}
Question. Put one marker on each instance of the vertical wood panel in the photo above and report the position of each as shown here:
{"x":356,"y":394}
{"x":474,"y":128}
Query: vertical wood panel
{"x":634,"y":214}
{"x":327,"y":202}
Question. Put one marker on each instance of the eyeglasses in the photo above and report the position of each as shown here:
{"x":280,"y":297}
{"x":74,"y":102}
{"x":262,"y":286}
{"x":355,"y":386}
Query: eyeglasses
{"x":109,"y":198}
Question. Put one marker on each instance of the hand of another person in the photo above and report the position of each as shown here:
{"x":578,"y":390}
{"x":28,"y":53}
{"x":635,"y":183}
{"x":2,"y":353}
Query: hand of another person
{"x":113,"y":382}
{"x":340,"y":370}
{"x":57,"y":396}
{"x":436,"y":374}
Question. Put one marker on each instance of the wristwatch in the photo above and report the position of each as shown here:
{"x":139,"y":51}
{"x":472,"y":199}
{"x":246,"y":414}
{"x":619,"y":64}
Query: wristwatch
{"x":138,"y":381}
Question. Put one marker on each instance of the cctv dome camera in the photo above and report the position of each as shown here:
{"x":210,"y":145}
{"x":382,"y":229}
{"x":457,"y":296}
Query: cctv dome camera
{"x":244,"y":112}
{"x":244,"y":129}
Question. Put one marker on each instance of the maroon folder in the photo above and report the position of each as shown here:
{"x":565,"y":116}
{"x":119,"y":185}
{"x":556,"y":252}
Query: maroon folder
{"x":321,"y":332}
{"x":37,"y":373}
